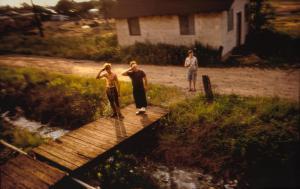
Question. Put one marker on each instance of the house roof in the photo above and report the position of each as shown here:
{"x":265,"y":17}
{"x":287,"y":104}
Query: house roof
{"x":139,"y":8}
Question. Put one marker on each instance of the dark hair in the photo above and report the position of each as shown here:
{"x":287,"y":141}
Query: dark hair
{"x":190,"y":51}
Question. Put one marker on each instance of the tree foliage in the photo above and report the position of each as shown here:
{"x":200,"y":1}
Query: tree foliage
{"x":261,"y":13}
{"x":65,"y":6}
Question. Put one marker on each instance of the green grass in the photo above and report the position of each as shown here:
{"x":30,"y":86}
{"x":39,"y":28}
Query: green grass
{"x":95,"y":47}
{"x":233,"y":133}
{"x":66,"y":100}
{"x":103,"y":48}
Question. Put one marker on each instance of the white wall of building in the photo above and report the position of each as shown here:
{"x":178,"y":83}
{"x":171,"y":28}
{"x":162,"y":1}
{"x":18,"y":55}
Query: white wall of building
{"x":230,"y":37}
{"x":165,"y":29}
{"x":210,"y":29}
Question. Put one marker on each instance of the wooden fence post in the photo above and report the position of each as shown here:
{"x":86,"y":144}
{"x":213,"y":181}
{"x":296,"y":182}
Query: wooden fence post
{"x":207,"y":88}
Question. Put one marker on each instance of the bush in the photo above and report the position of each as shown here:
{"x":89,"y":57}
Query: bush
{"x":163,"y":54}
{"x":57,"y":99}
{"x":105,"y":48}
{"x":274,"y":46}
{"x":66,"y":100}
{"x":80,"y":47}
{"x":120,"y":171}
{"x":233,"y":134}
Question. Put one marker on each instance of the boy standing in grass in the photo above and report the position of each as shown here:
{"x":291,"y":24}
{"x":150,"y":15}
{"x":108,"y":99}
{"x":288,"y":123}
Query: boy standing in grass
{"x":139,"y":83}
{"x":112,"y":89}
{"x":191,"y":63}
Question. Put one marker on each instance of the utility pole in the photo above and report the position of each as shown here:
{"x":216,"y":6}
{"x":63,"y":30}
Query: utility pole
{"x":37,"y":20}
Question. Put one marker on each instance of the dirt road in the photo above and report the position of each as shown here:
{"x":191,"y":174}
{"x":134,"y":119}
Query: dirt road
{"x":241,"y":81}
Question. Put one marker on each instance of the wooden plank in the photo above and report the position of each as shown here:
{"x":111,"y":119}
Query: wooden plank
{"x":30,"y":172}
{"x":52,"y":173}
{"x":81,"y":143}
{"x":88,"y":139}
{"x":8,"y":182}
{"x":130,"y":128}
{"x":118,"y":132}
{"x":98,"y":138}
{"x":18,"y":174}
{"x":65,"y":156}
{"x":99,"y":134}
{"x":54,"y":158}
{"x":110,"y":126}
{"x":85,"y":150}
{"x":111,"y":136}
{"x":79,"y":146}
{"x":65,"y":153}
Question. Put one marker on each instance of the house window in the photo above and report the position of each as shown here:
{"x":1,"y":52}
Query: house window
{"x":247,"y":12}
{"x":230,"y":19}
{"x":134,"y":26}
{"x":187,"y":24}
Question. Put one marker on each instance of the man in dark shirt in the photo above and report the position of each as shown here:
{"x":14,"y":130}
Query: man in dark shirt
{"x":139,"y":83}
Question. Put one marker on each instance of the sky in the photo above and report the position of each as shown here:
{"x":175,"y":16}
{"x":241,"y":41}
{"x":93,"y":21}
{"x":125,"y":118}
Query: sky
{"x":38,"y":2}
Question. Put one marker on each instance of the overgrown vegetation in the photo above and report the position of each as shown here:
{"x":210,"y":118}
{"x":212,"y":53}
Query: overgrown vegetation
{"x":77,"y":47}
{"x":234,"y":136}
{"x":277,"y":48}
{"x":65,"y":100}
{"x":162,"y":54}
{"x":20,"y":138}
{"x":121,"y":171}
{"x":103,"y":48}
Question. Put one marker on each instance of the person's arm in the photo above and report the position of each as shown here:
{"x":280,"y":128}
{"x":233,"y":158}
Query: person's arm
{"x":187,"y":63}
{"x":125,"y":73}
{"x":145,"y":82}
{"x":117,"y":84}
{"x":99,"y":76}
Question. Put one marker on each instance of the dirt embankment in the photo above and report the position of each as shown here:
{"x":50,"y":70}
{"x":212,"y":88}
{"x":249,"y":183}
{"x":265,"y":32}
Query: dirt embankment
{"x":241,"y":81}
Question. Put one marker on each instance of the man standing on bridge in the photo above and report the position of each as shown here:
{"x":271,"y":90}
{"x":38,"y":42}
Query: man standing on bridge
{"x":112,"y":89}
{"x":139,"y":83}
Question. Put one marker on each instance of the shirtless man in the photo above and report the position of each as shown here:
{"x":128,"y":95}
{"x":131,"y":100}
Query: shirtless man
{"x":139,"y":84}
{"x":112,"y":89}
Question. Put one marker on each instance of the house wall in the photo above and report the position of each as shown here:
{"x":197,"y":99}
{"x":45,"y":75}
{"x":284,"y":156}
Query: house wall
{"x":230,"y":37}
{"x":165,"y":29}
{"x":210,"y":29}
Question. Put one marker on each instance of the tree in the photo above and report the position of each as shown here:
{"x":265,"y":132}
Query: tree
{"x":261,"y":14}
{"x":105,"y":6}
{"x":65,"y":6}
{"x":37,"y":18}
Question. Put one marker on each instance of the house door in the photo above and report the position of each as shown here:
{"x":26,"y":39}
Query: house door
{"x":239,"y":29}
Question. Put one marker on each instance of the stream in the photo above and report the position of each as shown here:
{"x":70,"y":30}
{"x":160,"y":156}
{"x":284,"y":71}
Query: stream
{"x":43,"y":130}
{"x":165,"y":177}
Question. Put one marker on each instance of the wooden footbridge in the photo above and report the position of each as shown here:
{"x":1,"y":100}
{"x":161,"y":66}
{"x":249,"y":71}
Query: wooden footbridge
{"x":74,"y":150}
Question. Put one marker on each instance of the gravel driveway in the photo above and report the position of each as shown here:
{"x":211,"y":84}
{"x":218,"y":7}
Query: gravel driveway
{"x":241,"y":81}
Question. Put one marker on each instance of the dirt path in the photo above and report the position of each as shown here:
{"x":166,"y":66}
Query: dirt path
{"x":241,"y":81}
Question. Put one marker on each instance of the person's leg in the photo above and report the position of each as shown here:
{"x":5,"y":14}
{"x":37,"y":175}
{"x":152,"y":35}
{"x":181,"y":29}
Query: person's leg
{"x":143,"y":99}
{"x":111,"y":101}
{"x":136,"y":101}
{"x":136,"y":98}
{"x":117,"y":104}
{"x":189,"y":77}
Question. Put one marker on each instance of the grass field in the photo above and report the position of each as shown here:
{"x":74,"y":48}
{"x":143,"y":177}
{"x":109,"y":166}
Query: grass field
{"x":49,"y":97}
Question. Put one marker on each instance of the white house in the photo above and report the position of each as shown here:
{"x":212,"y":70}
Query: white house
{"x":182,"y":22}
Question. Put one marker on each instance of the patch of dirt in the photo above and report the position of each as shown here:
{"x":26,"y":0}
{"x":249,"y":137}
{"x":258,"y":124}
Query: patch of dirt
{"x":241,"y":81}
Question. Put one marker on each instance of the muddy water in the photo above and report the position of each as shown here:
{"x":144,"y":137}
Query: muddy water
{"x":184,"y":178}
{"x":43,"y":130}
